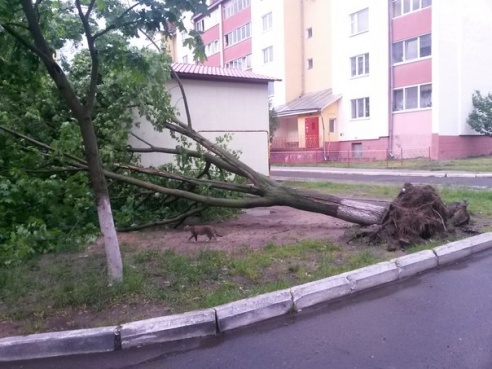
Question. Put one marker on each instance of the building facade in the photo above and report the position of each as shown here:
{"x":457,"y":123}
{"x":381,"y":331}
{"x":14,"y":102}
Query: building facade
{"x":210,"y":93}
{"x":372,"y":78}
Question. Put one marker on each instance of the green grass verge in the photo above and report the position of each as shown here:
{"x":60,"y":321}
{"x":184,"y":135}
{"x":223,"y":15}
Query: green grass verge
{"x":477,"y":164}
{"x":53,"y":284}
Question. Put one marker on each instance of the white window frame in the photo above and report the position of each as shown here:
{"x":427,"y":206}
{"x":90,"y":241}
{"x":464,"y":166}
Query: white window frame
{"x":355,"y":26}
{"x":212,"y":20}
{"x":243,"y":63}
{"x":267,"y":55}
{"x":267,"y":21}
{"x":200,"y":25}
{"x":212,"y":48}
{"x":403,"y":92}
{"x":354,"y":65}
{"x":404,"y":46}
{"x":404,"y":7}
{"x":360,"y":108}
{"x":235,"y":6}
{"x":237,"y":35}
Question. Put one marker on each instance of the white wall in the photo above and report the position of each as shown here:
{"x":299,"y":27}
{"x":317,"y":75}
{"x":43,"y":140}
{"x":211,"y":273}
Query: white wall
{"x":375,"y":85}
{"x":217,"y":106}
{"x":461,"y":61}
{"x":273,"y":37}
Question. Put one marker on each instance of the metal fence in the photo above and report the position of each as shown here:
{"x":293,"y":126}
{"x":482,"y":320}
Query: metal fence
{"x":346,"y":158}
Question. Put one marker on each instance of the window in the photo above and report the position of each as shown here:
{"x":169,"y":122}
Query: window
{"x":185,"y":59}
{"x":267,"y":22}
{"x":357,"y":150}
{"x":268,"y":55}
{"x":235,"y":6}
{"x":413,"y":48}
{"x":359,"y":65}
{"x":310,"y":63}
{"x":332,"y":125}
{"x":200,"y":25}
{"x":211,"y":20}
{"x":212,"y":48}
{"x":401,"y":7}
{"x":359,"y":22}
{"x":243,"y":63}
{"x":271,"y":88}
{"x":415,"y":97}
{"x":309,"y":32}
{"x":237,"y":35}
{"x":360,"y":108}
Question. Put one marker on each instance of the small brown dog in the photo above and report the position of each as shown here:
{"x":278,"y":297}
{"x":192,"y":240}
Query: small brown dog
{"x":197,"y":230}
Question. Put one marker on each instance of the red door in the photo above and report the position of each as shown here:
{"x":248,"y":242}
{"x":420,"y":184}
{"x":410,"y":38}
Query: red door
{"x":311,"y":126}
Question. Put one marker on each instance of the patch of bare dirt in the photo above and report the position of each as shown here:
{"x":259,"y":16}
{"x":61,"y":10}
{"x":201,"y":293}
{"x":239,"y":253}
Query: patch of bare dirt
{"x":253,"y":228}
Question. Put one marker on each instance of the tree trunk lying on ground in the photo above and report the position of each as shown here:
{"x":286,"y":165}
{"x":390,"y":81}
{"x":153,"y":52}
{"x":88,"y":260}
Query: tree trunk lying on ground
{"x":416,"y":213}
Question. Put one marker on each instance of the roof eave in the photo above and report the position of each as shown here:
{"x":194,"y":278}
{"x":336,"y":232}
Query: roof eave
{"x":203,"y":77}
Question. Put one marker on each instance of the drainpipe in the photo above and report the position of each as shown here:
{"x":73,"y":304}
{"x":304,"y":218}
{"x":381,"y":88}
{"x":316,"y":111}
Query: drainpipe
{"x":391,"y":79}
{"x":324,"y":130}
{"x":221,"y":35}
{"x":303,"y":64}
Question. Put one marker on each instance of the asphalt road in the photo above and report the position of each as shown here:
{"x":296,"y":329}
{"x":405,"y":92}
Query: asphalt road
{"x":440,"y":319}
{"x":468,"y":182}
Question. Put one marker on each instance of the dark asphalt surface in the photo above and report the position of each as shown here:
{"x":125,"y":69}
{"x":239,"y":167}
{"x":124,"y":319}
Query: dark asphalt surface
{"x":440,"y":319}
{"x":468,"y":182}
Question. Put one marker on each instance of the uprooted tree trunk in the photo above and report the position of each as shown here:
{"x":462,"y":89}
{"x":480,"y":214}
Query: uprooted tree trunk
{"x":416,"y":213}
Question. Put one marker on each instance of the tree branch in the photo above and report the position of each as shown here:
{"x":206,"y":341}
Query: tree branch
{"x":91,"y":95}
{"x":219,"y":163}
{"x":165,"y":221}
{"x":32,"y":48}
{"x":113,"y":26}
{"x":244,"y":170}
{"x":41,"y":145}
{"x":198,"y":182}
{"x":89,"y":8}
{"x":178,"y":80}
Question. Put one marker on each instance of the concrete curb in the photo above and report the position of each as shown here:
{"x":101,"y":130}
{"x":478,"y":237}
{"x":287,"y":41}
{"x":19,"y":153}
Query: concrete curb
{"x":236,"y":314}
{"x":193,"y":324}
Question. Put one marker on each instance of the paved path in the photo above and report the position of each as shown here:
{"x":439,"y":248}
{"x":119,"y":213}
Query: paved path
{"x":438,"y":320}
{"x":482,"y":180}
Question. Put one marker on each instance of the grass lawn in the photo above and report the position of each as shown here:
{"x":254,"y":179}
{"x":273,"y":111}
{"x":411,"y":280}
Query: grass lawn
{"x":478,"y":164}
{"x":69,"y":290}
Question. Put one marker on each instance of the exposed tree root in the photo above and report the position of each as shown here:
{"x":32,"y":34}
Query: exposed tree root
{"x":416,"y":214}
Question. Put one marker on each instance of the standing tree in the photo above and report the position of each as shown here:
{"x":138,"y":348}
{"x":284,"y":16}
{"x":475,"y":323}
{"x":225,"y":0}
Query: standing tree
{"x":480,"y":119}
{"x":44,"y":27}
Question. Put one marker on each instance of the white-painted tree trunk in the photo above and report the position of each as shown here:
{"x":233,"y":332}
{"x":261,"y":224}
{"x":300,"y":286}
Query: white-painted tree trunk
{"x":111,"y":245}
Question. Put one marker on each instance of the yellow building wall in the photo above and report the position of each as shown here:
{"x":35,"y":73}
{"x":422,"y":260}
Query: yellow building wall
{"x":293,"y":37}
{"x":317,"y":17}
{"x":299,"y":15}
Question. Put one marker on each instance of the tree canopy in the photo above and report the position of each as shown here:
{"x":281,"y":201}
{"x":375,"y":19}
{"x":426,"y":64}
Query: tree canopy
{"x":480,"y":119}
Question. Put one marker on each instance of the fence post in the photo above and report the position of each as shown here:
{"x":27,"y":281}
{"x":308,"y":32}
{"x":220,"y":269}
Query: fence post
{"x":429,"y":153}
{"x":401,"y":155}
{"x":387,"y":158}
{"x":348,"y":158}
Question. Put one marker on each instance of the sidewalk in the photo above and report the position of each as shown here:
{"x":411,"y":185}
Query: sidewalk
{"x":382,"y":172}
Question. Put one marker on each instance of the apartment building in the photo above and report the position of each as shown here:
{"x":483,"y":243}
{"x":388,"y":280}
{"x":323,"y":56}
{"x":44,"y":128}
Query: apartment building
{"x":362,"y":76}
